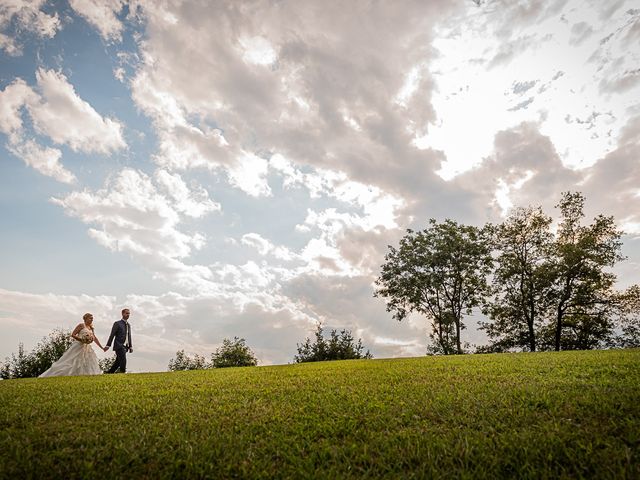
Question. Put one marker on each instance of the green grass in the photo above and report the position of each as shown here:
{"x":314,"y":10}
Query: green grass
{"x":541,"y":415}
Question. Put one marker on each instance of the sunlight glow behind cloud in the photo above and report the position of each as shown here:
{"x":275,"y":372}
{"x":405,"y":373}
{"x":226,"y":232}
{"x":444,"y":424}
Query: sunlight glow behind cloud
{"x":487,"y":83}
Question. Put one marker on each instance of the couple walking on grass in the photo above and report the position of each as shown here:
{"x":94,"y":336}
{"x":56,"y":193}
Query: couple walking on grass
{"x":80,"y":359}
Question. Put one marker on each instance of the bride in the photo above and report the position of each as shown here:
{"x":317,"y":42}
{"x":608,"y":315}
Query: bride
{"x":79,"y":359}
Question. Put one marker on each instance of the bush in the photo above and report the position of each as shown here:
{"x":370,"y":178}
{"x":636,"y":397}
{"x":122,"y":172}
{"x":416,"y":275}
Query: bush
{"x":39,"y":360}
{"x":185,"y":362}
{"x":232,"y":353}
{"x":339,"y":347}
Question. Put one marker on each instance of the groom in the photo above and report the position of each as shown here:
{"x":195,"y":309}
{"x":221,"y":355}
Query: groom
{"x":121,"y":337}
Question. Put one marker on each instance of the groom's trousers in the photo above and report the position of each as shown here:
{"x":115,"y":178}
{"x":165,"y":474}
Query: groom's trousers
{"x":121,"y":361}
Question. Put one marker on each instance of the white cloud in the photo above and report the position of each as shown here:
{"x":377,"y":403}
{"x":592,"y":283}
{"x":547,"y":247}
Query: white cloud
{"x":249,"y":175}
{"x":59,"y":113}
{"x":379,"y":208}
{"x":67,"y":119}
{"x":12,"y":99}
{"x":265,"y":247}
{"x":29,"y":18}
{"x":45,"y":160}
{"x":194,"y":202}
{"x":257,"y":51}
{"x":102,"y":14}
{"x":410,"y":86}
{"x":131,"y":215}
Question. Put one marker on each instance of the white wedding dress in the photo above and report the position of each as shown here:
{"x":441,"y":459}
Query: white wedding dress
{"x":79,"y":359}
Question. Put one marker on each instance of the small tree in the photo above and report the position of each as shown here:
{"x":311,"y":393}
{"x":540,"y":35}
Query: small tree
{"x":339,"y":347}
{"x":39,"y":360}
{"x":185,"y":362}
{"x":233,"y":353}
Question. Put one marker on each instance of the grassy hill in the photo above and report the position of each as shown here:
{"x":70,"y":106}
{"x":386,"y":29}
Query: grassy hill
{"x":540,"y":415}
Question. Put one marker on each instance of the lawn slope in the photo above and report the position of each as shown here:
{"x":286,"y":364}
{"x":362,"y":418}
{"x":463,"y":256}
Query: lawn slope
{"x":540,"y":415}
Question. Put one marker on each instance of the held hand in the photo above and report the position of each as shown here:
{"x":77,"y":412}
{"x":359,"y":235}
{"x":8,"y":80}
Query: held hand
{"x":131,"y":350}
{"x":105,"y":348}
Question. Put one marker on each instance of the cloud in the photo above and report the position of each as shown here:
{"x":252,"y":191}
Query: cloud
{"x":580,"y":32}
{"x":249,"y":175}
{"x":18,"y":17}
{"x":523,"y":169}
{"x":532,"y":42}
{"x":348,"y":303}
{"x":12,"y":100}
{"x":132,"y":215}
{"x":613,"y":183}
{"x":265,"y":247}
{"x":67,"y":119}
{"x":380,"y":209}
{"x":193,"y":203}
{"x":45,"y":160}
{"x":56,"y":111}
{"x":321,"y":100}
{"x":102,"y":15}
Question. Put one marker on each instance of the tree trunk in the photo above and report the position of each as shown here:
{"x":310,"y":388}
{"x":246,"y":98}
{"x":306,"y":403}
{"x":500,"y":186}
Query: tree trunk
{"x":559,"y":328}
{"x":532,"y":334}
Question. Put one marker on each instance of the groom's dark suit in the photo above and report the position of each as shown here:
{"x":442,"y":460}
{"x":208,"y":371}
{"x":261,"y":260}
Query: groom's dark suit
{"x":121,"y":337}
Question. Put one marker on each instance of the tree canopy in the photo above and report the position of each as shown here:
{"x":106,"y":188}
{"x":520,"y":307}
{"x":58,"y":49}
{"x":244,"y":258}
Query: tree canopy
{"x":539,"y":290}
{"x":233,"y":353}
{"x":441,"y":273}
{"x":521,"y":279}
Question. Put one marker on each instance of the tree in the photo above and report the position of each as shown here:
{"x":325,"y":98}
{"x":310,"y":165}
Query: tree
{"x":441,"y":273}
{"x":629,"y":318}
{"x":583,"y":293}
{"x":182,"y":361}
{"x":233,"y":353}
{"x":24,"y":365}
{"x":521,"y":280}
{"x":339,"y":347}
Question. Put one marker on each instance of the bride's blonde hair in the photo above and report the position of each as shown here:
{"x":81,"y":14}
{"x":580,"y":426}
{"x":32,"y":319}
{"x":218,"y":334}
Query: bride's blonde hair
{"x":85,"y":316}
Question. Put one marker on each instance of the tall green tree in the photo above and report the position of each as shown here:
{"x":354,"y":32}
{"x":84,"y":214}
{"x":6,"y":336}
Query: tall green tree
{"x":522,"y":280}
{"x":583,"y":292}
{"x":441,"y":273}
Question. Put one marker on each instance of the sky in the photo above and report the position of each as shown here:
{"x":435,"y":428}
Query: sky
{"x":239,"y":168}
